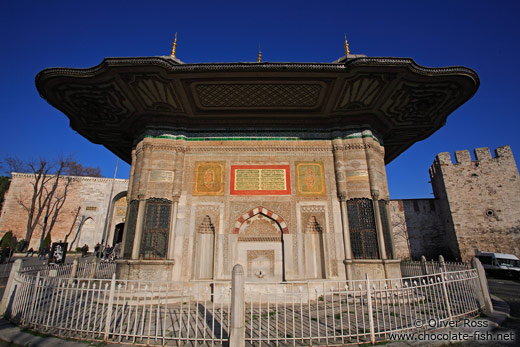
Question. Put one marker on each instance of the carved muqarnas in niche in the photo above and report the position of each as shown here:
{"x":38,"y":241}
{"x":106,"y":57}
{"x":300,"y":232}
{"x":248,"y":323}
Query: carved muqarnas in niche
{"x":206,"y":227}
{"x":205,"y":249}
{"x":313,"y":227}
{"x":260,"y":228}
{"x":313,"y":220}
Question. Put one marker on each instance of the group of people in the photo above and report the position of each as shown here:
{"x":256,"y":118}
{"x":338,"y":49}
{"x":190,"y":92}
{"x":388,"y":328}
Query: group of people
{"x":107,"y":253}
{"x":43,"y":252}
{"x":101,"y":252}
{"x":84,"y":250}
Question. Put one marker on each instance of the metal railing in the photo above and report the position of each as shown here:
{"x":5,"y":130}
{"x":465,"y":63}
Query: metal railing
{"x":94,"y":269}
{"x":423,"y":267}
{"x":121,"y":310}
{"x":324,"y":312}
{"x":338,"y":313}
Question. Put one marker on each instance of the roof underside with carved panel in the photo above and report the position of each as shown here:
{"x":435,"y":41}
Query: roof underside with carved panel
{"x":112,"y":103}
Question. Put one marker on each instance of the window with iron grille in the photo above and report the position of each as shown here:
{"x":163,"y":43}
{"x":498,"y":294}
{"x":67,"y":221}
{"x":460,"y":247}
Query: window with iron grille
{"x":363,"y":236}
{"x":386,"y":229}
{"x":154,"y":242}
{"x":130,"y":229}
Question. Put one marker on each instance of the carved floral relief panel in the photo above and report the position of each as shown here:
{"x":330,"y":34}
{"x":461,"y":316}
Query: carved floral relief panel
{"x":209,"y":178}
{"x":310,"y":179}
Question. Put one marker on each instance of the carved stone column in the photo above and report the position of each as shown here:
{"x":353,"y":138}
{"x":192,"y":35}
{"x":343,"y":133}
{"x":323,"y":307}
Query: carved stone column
{"x":390,"y":231}
{"x":139,"y":227}
{"x":176,"y":193}
{"x":173,"y":222}
{"x":144,"y":169}
{"x":346,"y":238}
{"x":379,"y":225}
{"x":342,"y":195}
{"x":129,"y":200}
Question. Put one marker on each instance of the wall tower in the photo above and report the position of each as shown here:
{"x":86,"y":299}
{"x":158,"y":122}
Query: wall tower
{"x":479,"y":201}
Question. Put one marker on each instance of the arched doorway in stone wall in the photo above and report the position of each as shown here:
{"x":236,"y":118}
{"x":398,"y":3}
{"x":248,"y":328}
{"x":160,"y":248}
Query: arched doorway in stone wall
{"x":117,"y":220}
{"x":261,"y":246}
{"x":118,"y":233}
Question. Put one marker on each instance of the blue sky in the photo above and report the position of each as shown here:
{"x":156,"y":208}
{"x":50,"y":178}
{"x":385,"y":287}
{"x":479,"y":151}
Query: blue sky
{"x":482,"y":35}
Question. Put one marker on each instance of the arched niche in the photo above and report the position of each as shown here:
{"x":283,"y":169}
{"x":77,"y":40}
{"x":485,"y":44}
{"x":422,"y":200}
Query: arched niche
{"x":261,"y":245}
{"x":314,"y":249}
{"x":204,"y":249}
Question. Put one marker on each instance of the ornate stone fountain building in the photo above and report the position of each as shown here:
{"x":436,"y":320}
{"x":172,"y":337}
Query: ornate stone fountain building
{"x":277,"y":166}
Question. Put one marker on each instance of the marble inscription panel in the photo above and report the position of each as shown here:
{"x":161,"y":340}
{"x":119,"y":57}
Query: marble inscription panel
{"x":161,"y":176}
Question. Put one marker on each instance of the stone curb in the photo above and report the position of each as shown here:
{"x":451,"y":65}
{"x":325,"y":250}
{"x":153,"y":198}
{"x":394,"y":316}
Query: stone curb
{"x":11,"y":333}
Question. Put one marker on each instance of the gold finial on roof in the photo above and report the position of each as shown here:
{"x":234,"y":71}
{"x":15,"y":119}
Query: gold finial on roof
{"x":259,"y":59}
{"x":347,"y":49}
{"x":174,"y":46}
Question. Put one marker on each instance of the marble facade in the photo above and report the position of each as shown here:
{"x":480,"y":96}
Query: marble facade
{"x":271,"y":205}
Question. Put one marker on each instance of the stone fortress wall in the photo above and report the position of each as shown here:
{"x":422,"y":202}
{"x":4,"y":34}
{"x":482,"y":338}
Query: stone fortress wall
{"x":417,"y":228}
{"x":476,"y":206}
{"x":480,"y":199}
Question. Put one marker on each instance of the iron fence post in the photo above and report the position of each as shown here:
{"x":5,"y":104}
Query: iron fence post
{"x":483,"y":292}
{"x":74,"y":271}
{"x":109,"y":308}
{"x":424,"y":265}
{"x":237,"y":333}
{"x":445,"y":292}
{"x":10,"y":287}
{"x":370,"y":311}
{"x":442,"y":263}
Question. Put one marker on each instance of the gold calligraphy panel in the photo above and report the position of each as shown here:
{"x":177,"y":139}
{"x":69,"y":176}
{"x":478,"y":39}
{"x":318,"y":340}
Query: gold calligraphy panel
{"x":260,"y":180}
{"x":247,"y":179}
{"x":310,"y":179}
{"x":209,"y":178}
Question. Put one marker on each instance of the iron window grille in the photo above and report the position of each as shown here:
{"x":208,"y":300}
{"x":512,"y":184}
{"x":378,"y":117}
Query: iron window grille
{"x":154,"y":244}
{"x":363,"y":236}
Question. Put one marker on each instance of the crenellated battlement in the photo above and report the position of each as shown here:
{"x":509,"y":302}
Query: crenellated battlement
{"x":463,"y":158}
{"x":478,"y":200}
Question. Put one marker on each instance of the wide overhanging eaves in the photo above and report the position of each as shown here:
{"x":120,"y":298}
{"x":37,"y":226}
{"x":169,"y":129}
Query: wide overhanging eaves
{"x":111,"y":104}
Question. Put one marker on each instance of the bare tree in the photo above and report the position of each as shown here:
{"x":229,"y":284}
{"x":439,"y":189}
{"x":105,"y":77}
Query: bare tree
{"x":73,"y":223}
{"x":50,"y":185}
{"x":14,"y":165}
{"x":76,"y":169}
{"x":54,"y":207}
{"x":46,"y":180}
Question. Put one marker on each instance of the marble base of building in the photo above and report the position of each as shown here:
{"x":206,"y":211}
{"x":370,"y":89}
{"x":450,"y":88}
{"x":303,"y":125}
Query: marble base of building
{"x":145,"y":270}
